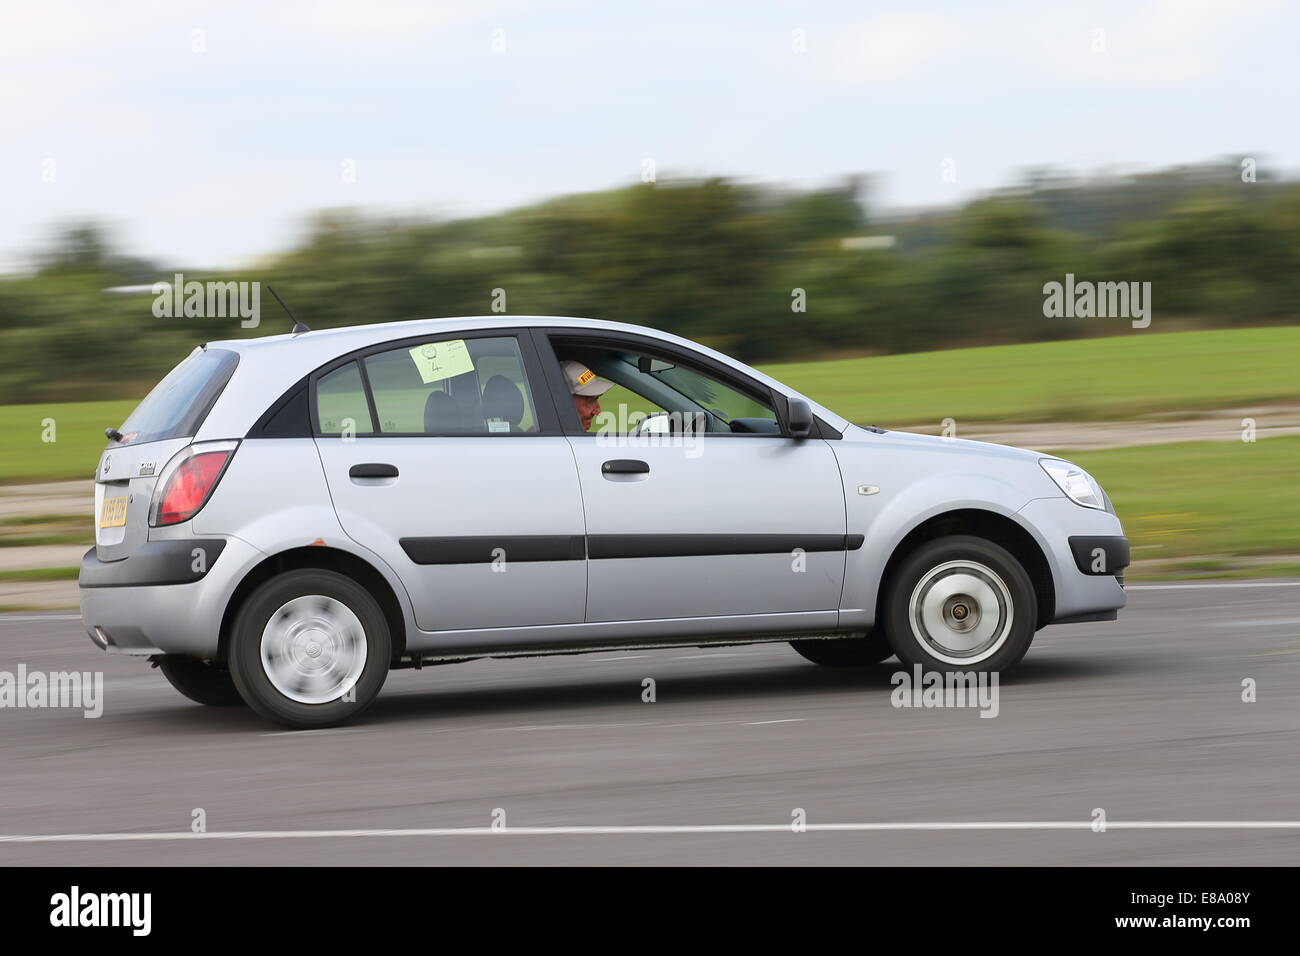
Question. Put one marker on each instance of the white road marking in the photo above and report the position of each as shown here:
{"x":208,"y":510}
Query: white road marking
{"x":651,"y":829}
{"x":788,"y":720}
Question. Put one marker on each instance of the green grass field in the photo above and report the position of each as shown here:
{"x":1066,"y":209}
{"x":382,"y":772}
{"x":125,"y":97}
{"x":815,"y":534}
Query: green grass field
{"x":1206,"y":507}
{"x":1089,"y":379}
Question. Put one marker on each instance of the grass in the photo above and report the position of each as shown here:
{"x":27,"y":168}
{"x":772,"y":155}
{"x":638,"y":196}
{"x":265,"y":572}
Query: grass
{"x":40,"y":574}
{"x":1220,"y":508}
{"x":1119,"y":377}
{"x":78,"y":433}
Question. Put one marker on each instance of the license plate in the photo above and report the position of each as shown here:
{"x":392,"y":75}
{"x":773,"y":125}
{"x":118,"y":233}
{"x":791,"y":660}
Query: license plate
{"x":113,"y":514}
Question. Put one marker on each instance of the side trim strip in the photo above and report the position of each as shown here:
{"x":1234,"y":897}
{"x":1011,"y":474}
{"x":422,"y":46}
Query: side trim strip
{"x":482,"y":549}
{"x":603,"y":546}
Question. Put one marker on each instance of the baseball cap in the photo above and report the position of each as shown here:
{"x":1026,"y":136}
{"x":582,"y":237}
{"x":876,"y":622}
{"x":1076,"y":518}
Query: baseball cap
{"x":582,"y":380}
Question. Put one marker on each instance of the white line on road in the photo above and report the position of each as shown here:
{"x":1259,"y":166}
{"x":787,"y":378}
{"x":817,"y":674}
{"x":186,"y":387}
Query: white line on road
{"x":642,"y":830}
{"x":760,"y":723}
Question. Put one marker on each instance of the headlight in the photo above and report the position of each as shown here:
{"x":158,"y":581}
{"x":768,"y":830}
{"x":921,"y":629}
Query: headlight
{"x":1079,"y":486}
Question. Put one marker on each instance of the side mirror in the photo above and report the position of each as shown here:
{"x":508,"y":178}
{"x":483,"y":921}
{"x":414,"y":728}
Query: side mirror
{"x":799,"y":419}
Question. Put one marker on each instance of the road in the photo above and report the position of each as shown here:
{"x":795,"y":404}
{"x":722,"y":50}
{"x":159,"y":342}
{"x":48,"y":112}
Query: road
{"x":1143,"y":718}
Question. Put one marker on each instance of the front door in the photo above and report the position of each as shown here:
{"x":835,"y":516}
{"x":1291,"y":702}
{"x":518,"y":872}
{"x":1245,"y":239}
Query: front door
{"x":696,"y":504}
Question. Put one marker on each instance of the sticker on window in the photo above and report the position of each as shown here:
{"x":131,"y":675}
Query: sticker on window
{"x":440,"y":360}
{"x":495,"y":425}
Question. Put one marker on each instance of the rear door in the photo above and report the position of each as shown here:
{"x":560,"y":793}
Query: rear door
{"x":732,"y":519}
{"x":444,"y":457}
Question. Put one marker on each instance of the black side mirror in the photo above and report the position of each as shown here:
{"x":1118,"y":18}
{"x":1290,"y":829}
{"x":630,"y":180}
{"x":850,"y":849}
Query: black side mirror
{"x":799,"y":419}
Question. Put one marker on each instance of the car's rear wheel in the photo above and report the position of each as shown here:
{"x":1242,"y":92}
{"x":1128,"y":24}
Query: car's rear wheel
{"x":201,"y":681}
{"x":871,"y":648}
{"x":960,"y":603}
{"x":310,"y":648}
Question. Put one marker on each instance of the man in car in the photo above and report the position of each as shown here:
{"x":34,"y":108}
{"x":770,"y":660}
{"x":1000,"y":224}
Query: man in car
{"x":586,"y":390}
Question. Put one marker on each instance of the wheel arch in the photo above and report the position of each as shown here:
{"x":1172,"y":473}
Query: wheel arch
{"x":980,"y":523}
{"x":325,"y":558}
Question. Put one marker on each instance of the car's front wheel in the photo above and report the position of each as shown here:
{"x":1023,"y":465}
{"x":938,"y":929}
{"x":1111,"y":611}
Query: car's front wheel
{"x":310,"y":648}
{"x":960,"y":603}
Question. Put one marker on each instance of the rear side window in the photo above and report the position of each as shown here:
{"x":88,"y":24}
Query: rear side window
{"x":471,"y":386}
{"x":178,"y":404}
{"x":341,"y":406}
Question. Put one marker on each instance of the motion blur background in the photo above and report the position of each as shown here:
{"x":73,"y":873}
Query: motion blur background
{"x":909,"y":176}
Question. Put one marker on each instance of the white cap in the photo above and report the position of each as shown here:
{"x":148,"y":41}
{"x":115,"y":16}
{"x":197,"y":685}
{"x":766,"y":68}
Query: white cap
{"x":582,"y":380}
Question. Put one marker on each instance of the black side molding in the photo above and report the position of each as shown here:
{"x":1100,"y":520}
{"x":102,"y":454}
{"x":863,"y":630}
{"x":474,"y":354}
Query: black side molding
{"x":482,"y":549}
{"x":154,"y":563}
{"x":1112,"y":559}
{"x":698,"y":545}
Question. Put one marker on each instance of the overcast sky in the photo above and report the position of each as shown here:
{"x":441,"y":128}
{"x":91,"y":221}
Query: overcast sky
{"x":205,"y":132}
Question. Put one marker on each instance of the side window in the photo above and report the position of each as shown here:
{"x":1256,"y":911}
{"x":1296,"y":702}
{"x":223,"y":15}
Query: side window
{"x":453,"y":386}
{"x":341,"y":402}
{"x":648,"y":386}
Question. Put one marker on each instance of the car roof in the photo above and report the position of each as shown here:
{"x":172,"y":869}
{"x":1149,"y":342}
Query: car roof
{"x":270,"y":364}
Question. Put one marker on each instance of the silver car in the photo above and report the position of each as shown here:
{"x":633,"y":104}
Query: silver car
{"x":283,"y":520}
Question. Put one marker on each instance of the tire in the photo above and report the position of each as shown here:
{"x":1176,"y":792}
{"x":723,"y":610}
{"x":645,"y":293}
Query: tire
{"x":960,"y":603}
{"x":310,"y":648}
{"x":201,"y":681}
{"x":871,"y":648}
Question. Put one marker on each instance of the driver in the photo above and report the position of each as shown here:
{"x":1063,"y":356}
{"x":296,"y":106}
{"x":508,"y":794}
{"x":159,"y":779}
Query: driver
{"x":586,"y":390}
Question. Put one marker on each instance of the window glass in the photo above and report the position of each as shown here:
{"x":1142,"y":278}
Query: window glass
{"x":341,"y":402}
{"x":178,"y":404}
{"x":645,"y":386}
{"x":453,"y":386}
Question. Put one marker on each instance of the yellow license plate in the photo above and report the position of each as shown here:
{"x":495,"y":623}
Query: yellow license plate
{"x":113,"y":514}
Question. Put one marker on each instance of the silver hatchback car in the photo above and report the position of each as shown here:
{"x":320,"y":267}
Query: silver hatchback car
{"x":283,"y":520}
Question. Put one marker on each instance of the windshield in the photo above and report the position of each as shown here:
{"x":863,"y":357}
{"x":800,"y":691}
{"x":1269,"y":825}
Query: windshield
{"x":179,"y":403}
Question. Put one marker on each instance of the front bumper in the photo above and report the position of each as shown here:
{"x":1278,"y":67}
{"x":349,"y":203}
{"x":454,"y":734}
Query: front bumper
{"x":163,"y":603}
{"x":1069,"y":535}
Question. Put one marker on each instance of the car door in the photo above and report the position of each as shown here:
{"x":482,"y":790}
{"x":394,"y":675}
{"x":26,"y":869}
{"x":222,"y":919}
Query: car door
{"x":442,"y":460}
{"x":732,"y":519}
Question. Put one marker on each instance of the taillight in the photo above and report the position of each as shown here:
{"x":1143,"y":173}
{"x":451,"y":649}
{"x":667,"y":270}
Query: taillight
{"x":188,"y":486}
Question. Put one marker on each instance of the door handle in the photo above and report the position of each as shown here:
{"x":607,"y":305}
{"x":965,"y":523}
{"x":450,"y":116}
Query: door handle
{"x":372,"y":470}
{"x":625,"y":466}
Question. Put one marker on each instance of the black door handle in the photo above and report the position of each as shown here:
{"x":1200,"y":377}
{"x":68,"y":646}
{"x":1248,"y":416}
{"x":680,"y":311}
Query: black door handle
{"x":625,"y":466}
{"x":372,"y":470}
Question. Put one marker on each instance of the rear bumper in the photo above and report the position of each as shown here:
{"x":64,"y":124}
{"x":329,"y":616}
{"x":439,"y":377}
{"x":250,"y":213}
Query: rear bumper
{"x":154,"y":563}
{"x":158,"y":601}
{"x":1069,"y":536}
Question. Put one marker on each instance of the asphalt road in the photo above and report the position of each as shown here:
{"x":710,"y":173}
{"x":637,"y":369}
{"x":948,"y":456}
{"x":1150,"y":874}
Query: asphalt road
{"x":1143,"y":718}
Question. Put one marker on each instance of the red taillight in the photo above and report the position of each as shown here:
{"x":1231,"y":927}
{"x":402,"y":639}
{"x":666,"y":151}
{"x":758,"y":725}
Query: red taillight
{"x":190,"y":485}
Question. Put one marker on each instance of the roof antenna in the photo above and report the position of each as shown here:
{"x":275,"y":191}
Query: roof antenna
{"x":297,"y":325}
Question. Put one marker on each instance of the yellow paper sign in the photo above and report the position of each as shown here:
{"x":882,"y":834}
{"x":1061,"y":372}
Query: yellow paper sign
{"x":439,"y":360}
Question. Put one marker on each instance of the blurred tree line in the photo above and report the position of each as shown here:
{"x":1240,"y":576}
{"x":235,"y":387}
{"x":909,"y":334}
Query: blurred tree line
{"x":715,"y":260}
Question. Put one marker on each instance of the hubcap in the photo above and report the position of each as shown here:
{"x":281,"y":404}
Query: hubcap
{"x":961,"y":612}
{"x":313,"y":649}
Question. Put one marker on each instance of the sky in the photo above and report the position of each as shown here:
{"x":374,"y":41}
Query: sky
{"x":205,"y":133}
